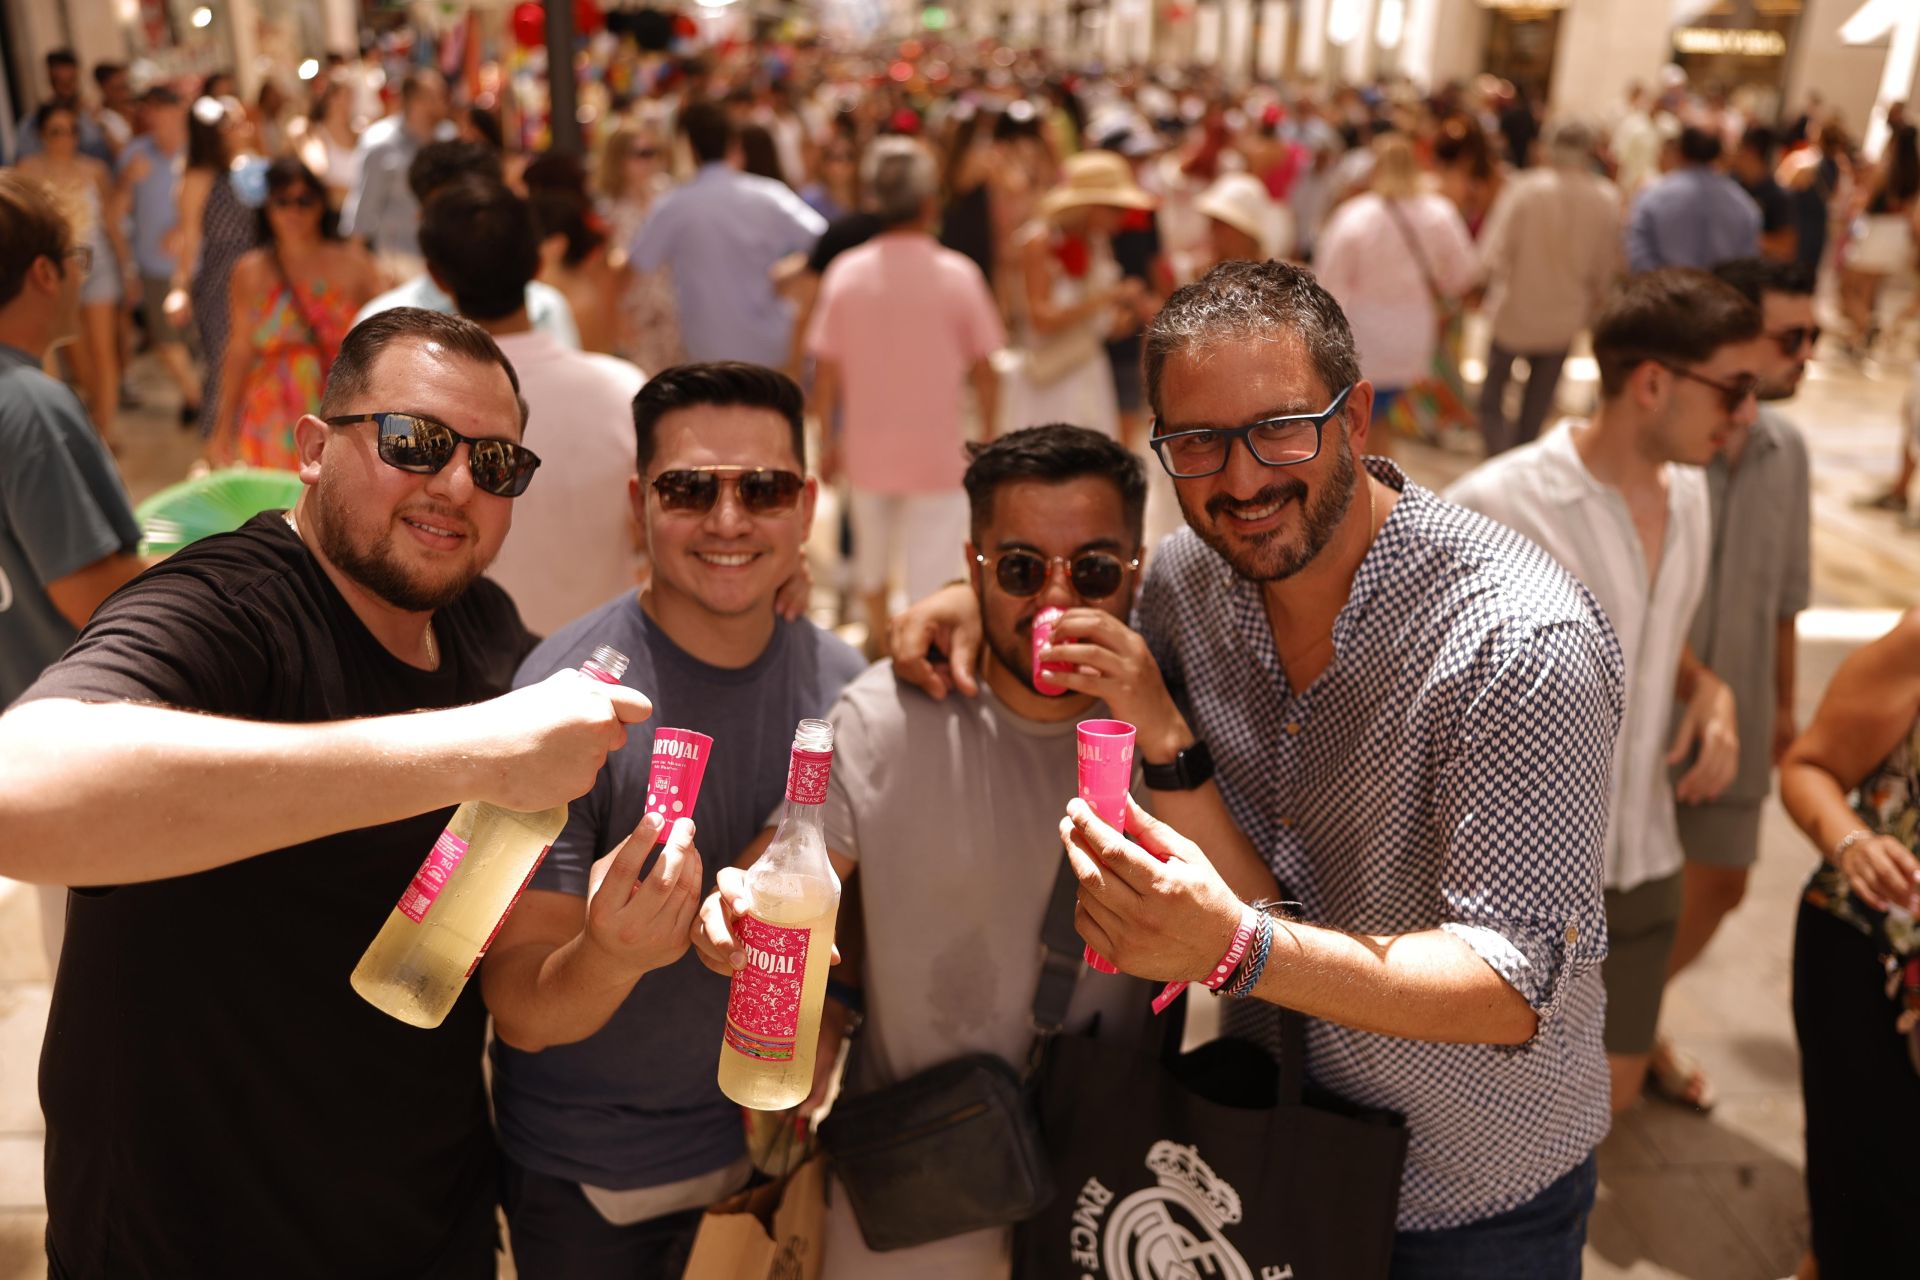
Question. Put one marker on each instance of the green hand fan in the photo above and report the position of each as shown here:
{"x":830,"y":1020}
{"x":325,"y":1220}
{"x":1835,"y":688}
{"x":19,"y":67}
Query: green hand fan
{"x":217,"y":502}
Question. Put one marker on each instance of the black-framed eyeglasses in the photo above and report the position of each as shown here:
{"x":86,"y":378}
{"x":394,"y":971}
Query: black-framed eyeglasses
{"x":294,"y":200}
{"x":1275,"y":442}
{"x":1734,"y":393}
{"x":1793,"y":341}
{"x":414,"y":442}
{"x":1095,"y":575}
{"x":762,"y":491}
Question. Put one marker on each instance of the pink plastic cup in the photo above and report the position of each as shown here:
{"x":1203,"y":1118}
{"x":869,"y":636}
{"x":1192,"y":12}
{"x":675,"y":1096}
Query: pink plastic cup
{"x":673,"y":781}
{"x":1106,"y":770}
{"x":1043,"y":624}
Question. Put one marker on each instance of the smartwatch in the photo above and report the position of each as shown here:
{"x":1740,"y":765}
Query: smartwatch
{"x":1189,"y":769}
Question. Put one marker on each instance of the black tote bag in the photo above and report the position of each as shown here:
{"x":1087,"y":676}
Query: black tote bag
{"x":1215,"y":1163}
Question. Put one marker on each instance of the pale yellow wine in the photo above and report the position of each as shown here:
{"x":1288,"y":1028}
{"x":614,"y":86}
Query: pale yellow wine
{"x":417,"y":966}
{"x":773,"y":1006}
{"x":420,"y":961}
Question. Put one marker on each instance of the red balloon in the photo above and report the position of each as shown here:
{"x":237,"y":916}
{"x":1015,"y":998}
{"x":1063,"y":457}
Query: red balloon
{"x":587,"y":18}
{"x":529,"y":24}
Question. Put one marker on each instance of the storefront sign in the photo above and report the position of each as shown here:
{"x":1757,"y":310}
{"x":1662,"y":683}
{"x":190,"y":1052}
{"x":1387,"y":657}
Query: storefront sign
{"x":1750,"y":43}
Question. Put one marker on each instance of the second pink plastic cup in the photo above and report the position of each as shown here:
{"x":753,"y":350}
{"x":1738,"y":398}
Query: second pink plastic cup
{"x":673,"y":781}
{"x":1106,"y":770}
{"x":1043,"y":624}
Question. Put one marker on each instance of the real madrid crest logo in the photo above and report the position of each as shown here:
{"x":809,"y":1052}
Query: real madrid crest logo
{"x":1173,"y":1231}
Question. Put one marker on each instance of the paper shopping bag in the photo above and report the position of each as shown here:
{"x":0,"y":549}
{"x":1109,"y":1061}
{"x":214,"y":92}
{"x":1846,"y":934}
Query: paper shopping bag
{"x":776,"y":1231}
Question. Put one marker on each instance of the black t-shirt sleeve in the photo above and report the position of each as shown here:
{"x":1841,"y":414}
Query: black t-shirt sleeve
{"x":172,"y":636}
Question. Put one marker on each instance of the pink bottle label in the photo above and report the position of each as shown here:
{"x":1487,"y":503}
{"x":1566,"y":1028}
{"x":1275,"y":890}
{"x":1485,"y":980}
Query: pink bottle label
{"x":514,"y":902}
{"x":432,"y":876}
{"x":763,"y":1007}
{"x":673,"y":779}
{"x":807,"y":778}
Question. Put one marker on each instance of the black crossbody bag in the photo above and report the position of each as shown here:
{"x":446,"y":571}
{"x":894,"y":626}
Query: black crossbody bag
{"x":958,"y":1147}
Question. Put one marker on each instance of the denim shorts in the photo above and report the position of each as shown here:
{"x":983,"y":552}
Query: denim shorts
{"x":1541,"y":1240}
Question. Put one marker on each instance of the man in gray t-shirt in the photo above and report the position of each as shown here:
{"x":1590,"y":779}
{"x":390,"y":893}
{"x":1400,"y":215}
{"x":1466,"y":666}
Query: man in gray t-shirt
{"x":944,"y":816}
{"x":607,"y":1039}
{"x":67,"y":534}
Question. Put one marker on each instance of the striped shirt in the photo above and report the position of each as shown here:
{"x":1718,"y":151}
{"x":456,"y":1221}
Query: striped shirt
{"x":1447,"y":770}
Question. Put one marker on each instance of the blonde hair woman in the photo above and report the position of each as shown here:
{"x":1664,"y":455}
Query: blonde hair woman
{"x":632,"y":173}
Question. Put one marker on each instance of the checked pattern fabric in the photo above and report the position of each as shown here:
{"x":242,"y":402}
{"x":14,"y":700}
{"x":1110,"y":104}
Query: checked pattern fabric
{"x":1448,"y":770}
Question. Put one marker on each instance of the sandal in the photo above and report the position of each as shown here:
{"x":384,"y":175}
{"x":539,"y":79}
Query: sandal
{"x":1678,"y":1077}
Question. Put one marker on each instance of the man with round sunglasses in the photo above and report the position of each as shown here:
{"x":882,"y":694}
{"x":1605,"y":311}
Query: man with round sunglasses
{"x":238,"y":765}
{"x":1400,"y":716}
{"x":938,"y":815}
{"x":1622,"y":503}
{"x":1758,"y":580}
{"x":615,"y":1131}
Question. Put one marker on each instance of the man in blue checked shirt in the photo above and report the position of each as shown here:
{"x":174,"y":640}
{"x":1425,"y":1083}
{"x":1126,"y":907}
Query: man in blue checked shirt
{"x":1401,"y":712}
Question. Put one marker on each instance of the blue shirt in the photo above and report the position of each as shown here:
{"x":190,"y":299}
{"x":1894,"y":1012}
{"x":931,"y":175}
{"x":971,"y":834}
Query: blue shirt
{"x":638,"y":1103}
{"x":155,"y":212}
{"x":547,"y":307}
{"x":1692,"y":217}
{"x":381,"y":209}
{"x":1449,"y":770}
{"x":722,"y":233}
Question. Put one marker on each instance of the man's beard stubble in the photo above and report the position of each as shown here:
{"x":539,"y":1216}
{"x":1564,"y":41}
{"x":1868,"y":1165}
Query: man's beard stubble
{"x":1263,"y":557}
{"x":378,"y":569}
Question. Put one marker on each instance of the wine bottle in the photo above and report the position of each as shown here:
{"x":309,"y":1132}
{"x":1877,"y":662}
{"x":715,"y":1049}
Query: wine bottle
{"x":437,"y":935}
{"x":773,"y":1007}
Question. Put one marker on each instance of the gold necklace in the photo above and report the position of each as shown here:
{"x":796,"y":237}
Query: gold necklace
{"x":433,"y":648}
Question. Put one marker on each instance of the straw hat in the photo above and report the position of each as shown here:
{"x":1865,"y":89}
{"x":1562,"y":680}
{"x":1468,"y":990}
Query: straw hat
{"x":1095,"y":178}
{"x":1241,"y":201}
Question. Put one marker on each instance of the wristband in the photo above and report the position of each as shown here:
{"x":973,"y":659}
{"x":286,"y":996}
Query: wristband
{"x":1256,"y":962}
{"x":1236,"y":950}
{"x":1847,"y":842}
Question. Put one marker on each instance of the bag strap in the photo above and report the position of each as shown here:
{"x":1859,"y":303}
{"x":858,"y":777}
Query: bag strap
{"x":300,"y":310}
{"x":1060,"y":957}
{"x":1399,"y":217}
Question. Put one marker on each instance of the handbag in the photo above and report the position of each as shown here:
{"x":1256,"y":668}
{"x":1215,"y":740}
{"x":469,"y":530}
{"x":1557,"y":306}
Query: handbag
{"x":958,"y":1148}
{"x":1218,"y":1161}
{"x":775,"y":1231}
{"x":1052,"y":358}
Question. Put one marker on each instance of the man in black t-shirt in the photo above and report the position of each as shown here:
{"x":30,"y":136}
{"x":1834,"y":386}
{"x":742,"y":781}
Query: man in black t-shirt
{"x":1753,"y":170}
{"x":226,"y":763}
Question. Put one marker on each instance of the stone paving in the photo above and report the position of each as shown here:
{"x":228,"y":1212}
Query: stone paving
{"x":1713,"y":1198}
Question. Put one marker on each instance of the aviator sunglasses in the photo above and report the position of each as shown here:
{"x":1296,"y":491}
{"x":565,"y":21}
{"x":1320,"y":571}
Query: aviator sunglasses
{"x":694,"y":490}
{"x":423,"y":445}
{"x":1094,"y":574}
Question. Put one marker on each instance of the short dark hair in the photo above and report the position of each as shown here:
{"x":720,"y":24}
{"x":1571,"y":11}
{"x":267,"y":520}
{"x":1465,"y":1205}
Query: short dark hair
{"x":721,"y":383}
{"x":487,"y":124}
{"x":105,"y":71}
{"x":352,"y":370}
{"x":49,"y":109}
{"x":289,"y":171}
{"x":1675,"y":313}
{"x":558,"y":212}
{"x":1698,"y":146}
{"x":709,"y":131}
{"x":1246,"y":299}
{"x":161,"y":95}
{"x":1756,"y":277}
{"x":1052,"y":455}
{"x":439,"y":163}
{"x":1760,"y":140}
{"x":61,"y":58}
{"x":32,"y":226}
{"x":478,"y":238}
{"x":417,"y":81}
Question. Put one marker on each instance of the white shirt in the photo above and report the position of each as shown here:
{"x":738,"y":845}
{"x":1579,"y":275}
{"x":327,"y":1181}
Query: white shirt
{"x":571,"y":548}
{"x":1544,"y":491}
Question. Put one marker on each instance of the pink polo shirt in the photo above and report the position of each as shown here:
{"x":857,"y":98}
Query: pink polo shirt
{"x":904,"y":319}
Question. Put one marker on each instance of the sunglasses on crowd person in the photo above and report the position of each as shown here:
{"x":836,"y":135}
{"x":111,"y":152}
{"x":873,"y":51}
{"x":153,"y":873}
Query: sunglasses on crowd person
{"x":1734,"y":393}
{"x":422,"y":445}
{"x":761,"y":491}
{"x":1095,"y":575}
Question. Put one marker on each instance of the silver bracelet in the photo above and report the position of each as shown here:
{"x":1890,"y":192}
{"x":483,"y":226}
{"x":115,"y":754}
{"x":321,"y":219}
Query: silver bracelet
{"x":1847,"y":842}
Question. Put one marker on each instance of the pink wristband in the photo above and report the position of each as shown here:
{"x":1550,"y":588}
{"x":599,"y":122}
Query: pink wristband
{"x":1236,"y":951}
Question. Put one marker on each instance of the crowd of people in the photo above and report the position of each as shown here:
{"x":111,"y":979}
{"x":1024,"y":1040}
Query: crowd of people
{"x":985,"y":299}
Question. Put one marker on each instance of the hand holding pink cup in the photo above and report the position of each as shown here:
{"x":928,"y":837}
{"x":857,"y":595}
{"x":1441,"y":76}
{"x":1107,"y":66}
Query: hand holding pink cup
{"x":1106,"y":771}
{"x":673,"y":780}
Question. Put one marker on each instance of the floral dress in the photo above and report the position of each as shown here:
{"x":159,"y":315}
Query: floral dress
{"x":295,"y":342}
{"x":1888,"y":802}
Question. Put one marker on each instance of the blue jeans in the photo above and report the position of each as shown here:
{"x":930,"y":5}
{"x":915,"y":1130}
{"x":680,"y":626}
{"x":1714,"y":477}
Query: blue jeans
{"x":1540,"y":1240}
